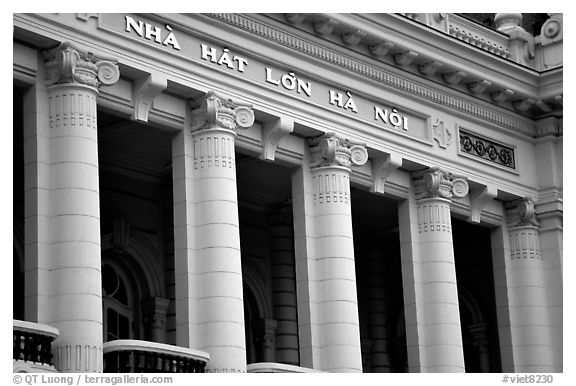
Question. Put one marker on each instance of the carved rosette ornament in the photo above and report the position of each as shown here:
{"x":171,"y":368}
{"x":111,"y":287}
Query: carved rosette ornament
{"x":331,"y":149}
{"x":438,"y":183}
{"x":68,"y":64}
{"x":216,"y":111}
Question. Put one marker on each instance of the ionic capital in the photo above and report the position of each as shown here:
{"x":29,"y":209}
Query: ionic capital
{"x":331,"y":149}
{"x":215,"y":111}
{"x":68,"y":64}
{"x":523,"y":210}
{"x":438,"y":183}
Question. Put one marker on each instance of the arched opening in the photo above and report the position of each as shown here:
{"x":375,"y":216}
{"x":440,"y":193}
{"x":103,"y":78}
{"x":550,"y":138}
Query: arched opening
{"x":476,"y":295}
{"x":123,"y":292}
{"x":117,"y":303}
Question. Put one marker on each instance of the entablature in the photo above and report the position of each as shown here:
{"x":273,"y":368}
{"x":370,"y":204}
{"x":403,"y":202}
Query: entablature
{"x":416,"y":48}
{"x":162,"y":81}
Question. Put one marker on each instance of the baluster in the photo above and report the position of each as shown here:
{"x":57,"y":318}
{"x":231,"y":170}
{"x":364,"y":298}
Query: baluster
{"x":193,"y":366}
{"x":124,"y":362}
{"x":43,"y":349}
{"x":36,"y":348}
{"x":154,"y":363}
{"x":16,"y":350}
{"x":165,"y":363}
{"x":27,"y":346}
{"x":139,"y":361}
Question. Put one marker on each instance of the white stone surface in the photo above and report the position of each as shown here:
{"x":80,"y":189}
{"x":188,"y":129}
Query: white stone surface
{"x":209,"y":300}
{"x":431,"y":310}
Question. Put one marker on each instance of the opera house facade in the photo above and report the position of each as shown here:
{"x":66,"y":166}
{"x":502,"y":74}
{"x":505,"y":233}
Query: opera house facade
{"x":287,"y":192}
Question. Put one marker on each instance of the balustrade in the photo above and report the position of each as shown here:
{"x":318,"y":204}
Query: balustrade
{"x":134,"y":356}
{"x":32,"y":342}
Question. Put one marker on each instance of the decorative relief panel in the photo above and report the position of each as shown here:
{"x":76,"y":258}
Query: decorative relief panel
{"x":486,"y":149}
{"x":434,"y":217}
{"x":72,"y":107}
{"x":524,"y":244}
{"x":331,"y":187}
{"x":213,"y":151}
{"x":77,"y":358}
{"x":441,"y":134}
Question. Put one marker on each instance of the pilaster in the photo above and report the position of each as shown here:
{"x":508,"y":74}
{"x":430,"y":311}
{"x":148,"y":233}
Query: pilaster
{"x":434,"y":340}
{"x":209,"y":301}
{"x":284,"y":286}
{"x":73,"y":78}
{"x":154,"y":310}
{"x":480,"y":342}
{"x":326,"y":280}
{"x":378,"y":322}
{"x":265,"y":333}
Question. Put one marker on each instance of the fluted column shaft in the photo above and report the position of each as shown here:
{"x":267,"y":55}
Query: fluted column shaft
{"x":75,"y":289}
{"x":209,"y":299}
{"x":433,"y":334}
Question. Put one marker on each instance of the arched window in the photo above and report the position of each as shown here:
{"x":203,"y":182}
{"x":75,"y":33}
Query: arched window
{"x":118,"y":304}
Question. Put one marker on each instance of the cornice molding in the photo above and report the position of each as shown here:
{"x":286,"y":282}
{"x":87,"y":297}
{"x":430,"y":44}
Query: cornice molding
{"x":367,"y":70}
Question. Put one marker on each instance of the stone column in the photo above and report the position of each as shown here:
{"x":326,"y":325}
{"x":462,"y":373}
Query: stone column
{"x":284,"y":286}
{"x":209,"y":300}
{"x":326,"y":274}
{"x":433,"y":335}
{"x":75,"y":289}
{"x":154,"y":310}
{"x":523,"y":314}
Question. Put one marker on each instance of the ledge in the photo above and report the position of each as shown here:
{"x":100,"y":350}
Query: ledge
{"x":158,"y":348}
{"x":271,"y":367}
{"x":35,"y":328}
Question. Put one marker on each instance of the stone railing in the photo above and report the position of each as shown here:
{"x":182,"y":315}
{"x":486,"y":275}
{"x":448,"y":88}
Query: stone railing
{"x":137,"y":356}
{"x":270,"y":367}
{"x":478,"y":35}
{"x":32,"y":347}
{"x":466,"y":30}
